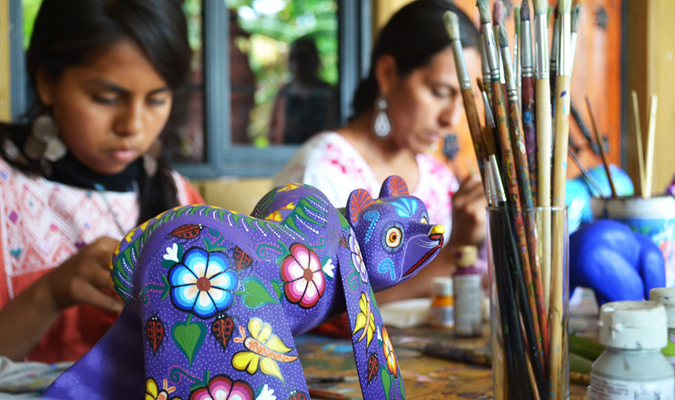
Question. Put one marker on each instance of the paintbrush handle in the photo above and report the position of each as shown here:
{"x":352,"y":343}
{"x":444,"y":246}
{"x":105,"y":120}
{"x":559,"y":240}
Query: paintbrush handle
{"x":544,"y":142}
{"x":556,"y":315}
{"x":529,"y":131}
{"x":515,"y":126}
{"x":511,"y":178}
{"x":474,"y":129}
{"x":601,"y":144}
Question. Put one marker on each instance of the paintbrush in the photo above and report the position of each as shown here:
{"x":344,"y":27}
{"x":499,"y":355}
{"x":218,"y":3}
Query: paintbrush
{"x":576,"y":17}
{"x":527,"y":101}
{"x":584,"y":129}
{"x":498,"y":16}
{"x":509,"y":166}
{"x":587,"y":175}
{"x":520,"y":156}
{"x":649,"y":157}
{"x":603,"y":153}
{"x":638,"y":141}
{"x":452,"y":26}
{"x":555,"y":43}
{"x":522,"y":168}
{"x":516,"y":54}
{"x":544,"y":138}
{"x":503,"y":256}
{"x":489,"y":135}
{"x":485,"y":68}
{"x":562,"y":109}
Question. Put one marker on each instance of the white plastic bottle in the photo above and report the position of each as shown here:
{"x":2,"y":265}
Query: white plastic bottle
{"x":666,"y":297}
{"x":632,"y":366}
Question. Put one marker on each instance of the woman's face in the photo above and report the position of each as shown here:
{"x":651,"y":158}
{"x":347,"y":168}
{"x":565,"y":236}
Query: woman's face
{"x":427,"y":104}
{"x":110,"y":110}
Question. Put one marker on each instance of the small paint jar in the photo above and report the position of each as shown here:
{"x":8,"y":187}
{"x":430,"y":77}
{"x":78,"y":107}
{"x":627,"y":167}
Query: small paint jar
{"x":441,"y":312}
{"x":666,"y":297}
{"x":467,"y":291}
{"x":632,"y":366}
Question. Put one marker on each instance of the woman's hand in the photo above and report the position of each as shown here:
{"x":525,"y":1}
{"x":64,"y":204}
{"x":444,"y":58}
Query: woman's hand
{"x":468,"y":213}
{"x":85,"y":278}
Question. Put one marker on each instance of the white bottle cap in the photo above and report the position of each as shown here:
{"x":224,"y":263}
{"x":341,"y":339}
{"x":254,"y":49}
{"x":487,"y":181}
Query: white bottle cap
{"x":442,"y":286}
{"x":666,"y":297}
{"x":635,"y":325}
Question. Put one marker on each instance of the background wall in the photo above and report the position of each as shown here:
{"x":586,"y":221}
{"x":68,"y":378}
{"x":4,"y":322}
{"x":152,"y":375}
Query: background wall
{"x":650,"y":69}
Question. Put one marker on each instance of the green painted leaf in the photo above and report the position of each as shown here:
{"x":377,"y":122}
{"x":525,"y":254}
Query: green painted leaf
{"x":255,"y":295}
{"x":401,"y":388}
{"x":386,"y":380}
{"x":189,"y":337}
{"x":167,"y":287}
{"x":278,"y":288}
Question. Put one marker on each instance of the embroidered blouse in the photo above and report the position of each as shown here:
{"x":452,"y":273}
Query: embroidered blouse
{"x":42,"y":224}
{"x":330,"y":163}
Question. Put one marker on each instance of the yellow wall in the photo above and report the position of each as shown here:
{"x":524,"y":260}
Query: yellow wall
{"x":650,"y":69}
{"x":383,"y":10}
{"x":5,"y":103}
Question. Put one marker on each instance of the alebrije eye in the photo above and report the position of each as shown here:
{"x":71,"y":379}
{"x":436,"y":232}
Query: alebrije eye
{"x":394,"y":236}
{"x":424,"y":220}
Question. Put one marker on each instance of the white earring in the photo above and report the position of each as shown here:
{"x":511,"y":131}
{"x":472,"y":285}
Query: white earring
{"x":44,"y":141}
{"x":381,"y":123}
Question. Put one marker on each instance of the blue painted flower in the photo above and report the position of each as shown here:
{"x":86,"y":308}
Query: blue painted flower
{"x":203,"y":283}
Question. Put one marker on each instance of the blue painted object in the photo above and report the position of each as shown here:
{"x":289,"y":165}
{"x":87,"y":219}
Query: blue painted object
{"x":617,"y":263}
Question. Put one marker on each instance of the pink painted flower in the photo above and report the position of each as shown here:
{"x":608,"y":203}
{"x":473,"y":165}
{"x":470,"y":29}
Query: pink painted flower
{"x":357,"y":258}
{"x":221,"y":387}
{"x":305,"y":282}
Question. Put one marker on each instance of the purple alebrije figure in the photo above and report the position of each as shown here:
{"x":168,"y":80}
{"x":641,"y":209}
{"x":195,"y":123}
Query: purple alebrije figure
{"x":214,"y":298}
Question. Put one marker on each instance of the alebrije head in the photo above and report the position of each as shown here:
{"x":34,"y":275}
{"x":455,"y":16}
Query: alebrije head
{"x":392,"y":232}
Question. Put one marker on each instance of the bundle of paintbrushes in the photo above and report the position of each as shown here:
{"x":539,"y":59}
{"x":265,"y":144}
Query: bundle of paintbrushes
{"x":524,"y":177}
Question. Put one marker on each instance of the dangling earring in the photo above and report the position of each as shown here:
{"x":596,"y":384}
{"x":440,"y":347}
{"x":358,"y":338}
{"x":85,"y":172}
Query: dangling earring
{"x":381,"y":123}
{"x":44,"y":141}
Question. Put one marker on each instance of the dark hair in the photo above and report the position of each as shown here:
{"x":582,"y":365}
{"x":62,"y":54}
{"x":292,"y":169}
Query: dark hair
{"x":71,"y":32}
{"x":413,"y":36}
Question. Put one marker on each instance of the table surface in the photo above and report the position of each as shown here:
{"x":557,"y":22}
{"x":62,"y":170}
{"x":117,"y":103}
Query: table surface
{"x":329,"y":363}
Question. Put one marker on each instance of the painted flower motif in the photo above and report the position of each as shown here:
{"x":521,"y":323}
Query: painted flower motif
{"x":203,"y":283}
{"x":303,"y":276}
{"x":222,"y":387}
{"x":389,"y":353}
{"x":264,"y":350}
{"x":357,"y":258}
{"x":365,"y":320}
{"x":153,"y":392}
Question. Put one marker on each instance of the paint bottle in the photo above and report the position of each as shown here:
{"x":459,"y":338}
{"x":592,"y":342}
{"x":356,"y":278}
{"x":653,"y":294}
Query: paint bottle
{"x":632,"y":366}
{"x":666,"y":297}
{"x":467,"y":290}
{"x":441,"y":313}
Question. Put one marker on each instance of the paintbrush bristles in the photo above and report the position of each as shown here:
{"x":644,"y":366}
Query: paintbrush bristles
{"x":498,"y":13}
{"x":484,"y":10}
{"x":540,"y":6}
{"x":576,"y":17}
{"x":565,"y":6}
{"x":452,"y":25}
{"x":525,"y":11}
{"x":480,"y":84}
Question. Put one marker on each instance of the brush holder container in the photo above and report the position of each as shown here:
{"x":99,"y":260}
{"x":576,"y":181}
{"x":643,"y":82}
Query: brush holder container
{"x":528,"y":255}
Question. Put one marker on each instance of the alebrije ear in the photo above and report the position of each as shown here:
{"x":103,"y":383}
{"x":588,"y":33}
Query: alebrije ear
{"x":394,"y":186}
{"x":358,"y":200}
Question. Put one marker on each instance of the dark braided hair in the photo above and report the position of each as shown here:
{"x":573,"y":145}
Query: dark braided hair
{"x":70,"y":32}
{"x":413,"y":36}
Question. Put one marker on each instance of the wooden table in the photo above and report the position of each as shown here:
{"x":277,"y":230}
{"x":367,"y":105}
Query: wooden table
{"x":425,"y":377}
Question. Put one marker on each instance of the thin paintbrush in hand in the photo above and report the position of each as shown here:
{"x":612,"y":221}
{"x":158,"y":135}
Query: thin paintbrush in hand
{"x":452,"y":26}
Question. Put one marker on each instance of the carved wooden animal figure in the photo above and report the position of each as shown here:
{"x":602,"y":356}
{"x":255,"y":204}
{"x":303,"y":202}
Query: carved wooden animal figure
{"x":214,"y":298}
